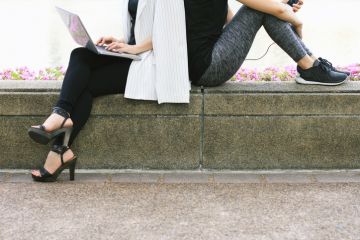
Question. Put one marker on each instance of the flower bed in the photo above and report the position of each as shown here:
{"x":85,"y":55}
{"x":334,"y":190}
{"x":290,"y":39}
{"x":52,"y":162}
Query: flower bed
{"x":24,"y":73}
{"x":244,"y":74}
{"x":284,"y":74}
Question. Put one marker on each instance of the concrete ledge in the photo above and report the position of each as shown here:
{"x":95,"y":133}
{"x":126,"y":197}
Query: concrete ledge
{"x":205,"y":177}
{"x":234,"y":126}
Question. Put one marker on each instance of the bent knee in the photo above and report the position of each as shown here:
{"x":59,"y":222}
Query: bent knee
{"x":80,"y":52}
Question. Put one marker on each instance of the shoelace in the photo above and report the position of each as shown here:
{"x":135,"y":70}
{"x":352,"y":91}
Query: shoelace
{"x":327,"y":63}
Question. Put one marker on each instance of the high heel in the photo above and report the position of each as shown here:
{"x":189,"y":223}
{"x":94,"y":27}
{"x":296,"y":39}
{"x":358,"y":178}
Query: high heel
{"x":40,"y":135}
{"x":48,"y":177}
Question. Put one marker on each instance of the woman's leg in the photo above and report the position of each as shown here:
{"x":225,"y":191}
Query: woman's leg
{"x":302,"y":43}
{"x":284,"y":35}
{"x":108,"y":79}
{"x":82,"y":63}
{"x":236,"y":40}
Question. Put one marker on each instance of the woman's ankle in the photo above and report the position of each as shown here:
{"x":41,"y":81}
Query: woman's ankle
{"x":54,"y":121}
{"x":306,"y":62}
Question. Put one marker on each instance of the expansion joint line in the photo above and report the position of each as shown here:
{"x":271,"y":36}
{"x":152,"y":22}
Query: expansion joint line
{"x":202,"y":127}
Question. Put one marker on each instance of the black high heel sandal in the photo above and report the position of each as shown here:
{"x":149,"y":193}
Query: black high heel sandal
{"x":40,"y":135}
{"x":48,"y":177}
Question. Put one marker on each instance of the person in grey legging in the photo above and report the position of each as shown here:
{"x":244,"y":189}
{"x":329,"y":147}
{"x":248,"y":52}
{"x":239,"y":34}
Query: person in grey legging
{"x":217,"y":52}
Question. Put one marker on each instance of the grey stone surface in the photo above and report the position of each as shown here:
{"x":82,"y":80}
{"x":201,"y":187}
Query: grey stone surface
{"x":150,"y":178}
{"x":238,"y":178}
{"x":43,"y":86}
{"x":281,"y":142}
{"x":118,"y":105}
{"x":86,"y":178}
{"x":2,"y":176}
{"x":40,"y":104}
{"x":246,"y":126}
{"x":125,"y":178}
{"x":27,"y":104}
{"x":111,"y":142}
{"x":20,"y":178}
{"x":193,"y":176}
{"x":179,"y":211}
{"x":29,"y":86}
{"x":288,"y":178}
{"x":282,"y":87}
{"x":337,"y":178}
{"x":187,"y":177}
{"x":282,"y":104}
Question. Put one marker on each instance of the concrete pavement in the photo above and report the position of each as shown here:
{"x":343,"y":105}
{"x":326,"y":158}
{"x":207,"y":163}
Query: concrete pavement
{"x":118,"y":210}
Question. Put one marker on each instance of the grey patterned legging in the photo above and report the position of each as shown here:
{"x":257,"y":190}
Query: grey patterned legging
{"x":235,"y":42}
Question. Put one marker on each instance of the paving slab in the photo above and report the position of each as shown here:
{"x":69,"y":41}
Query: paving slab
{"x":294,"y":104}
{"x":179,"y":211}
{"x":281,"y":142}
{"x":155,"y":142}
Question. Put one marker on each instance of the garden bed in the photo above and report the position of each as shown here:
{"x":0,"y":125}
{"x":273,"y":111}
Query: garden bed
{"x":244,"y":74}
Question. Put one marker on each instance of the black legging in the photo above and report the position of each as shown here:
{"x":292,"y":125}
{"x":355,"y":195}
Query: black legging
{"x":88,"y":76}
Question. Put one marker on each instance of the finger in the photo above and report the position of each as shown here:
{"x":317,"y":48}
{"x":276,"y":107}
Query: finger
{"x":103,"y":42}
{"x":116,"y":49}
{"x":301,"y":2}
{"x":111,"y":46}
{"x":297,"y":6}
{"x":116,"y":45}
{"x":121,"y":48}
{"x":99,"y":41}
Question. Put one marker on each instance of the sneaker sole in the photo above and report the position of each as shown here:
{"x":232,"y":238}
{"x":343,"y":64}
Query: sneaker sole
{"x":300,"y":80}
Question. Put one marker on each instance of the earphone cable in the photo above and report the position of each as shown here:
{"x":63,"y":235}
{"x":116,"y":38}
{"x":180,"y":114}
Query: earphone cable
{"x":255,"y":59}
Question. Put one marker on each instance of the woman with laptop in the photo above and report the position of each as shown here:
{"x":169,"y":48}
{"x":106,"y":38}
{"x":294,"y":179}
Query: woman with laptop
{"x":147,"y":33}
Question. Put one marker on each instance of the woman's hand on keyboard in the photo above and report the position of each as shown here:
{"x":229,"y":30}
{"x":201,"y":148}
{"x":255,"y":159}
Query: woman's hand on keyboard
{"x":108,"y":40}
{"x":122,"y":48}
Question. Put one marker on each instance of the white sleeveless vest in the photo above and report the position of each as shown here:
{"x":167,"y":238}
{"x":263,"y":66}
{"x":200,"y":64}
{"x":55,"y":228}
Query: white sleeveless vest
{"x":162,"y":74}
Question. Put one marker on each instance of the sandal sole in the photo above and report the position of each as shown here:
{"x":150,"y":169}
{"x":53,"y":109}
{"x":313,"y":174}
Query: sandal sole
{"x":38,"y":137}
{"x":42,"y":137}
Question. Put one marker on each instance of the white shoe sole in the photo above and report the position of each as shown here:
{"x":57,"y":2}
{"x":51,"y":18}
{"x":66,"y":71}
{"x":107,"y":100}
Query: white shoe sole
{"x":300,"y":80}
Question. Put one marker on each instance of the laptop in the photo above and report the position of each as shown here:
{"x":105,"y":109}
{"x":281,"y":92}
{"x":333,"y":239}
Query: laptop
{"x":82,"y":37}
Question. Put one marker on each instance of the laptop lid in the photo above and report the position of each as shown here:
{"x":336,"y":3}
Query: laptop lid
{"x":76,"y":29}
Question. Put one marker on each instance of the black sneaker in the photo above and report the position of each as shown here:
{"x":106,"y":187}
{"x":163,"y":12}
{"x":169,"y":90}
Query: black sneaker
{"x":320,"y":74}
{"x":329,"y":64}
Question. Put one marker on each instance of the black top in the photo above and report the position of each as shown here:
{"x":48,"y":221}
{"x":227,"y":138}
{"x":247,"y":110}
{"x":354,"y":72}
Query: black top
{"x":205,"y":20}
{"x":133,"y":4}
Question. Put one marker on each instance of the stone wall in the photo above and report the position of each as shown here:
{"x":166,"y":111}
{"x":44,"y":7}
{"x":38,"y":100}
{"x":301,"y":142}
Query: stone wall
{"x":234,"y":126}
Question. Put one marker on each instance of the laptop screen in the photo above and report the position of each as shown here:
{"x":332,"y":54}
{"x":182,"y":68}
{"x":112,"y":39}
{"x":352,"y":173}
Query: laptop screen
{"x":75,"y":26}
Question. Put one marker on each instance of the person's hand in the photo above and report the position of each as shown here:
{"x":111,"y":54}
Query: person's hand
{"x":298,"y":6}
{"x":122,"y":48}
{"x":107,"y":40}
{"x":296,"y":23}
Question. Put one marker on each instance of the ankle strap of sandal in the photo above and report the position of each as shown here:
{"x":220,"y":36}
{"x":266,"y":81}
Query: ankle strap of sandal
{"x":62,"y":113}
{"x":59,"y":149}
